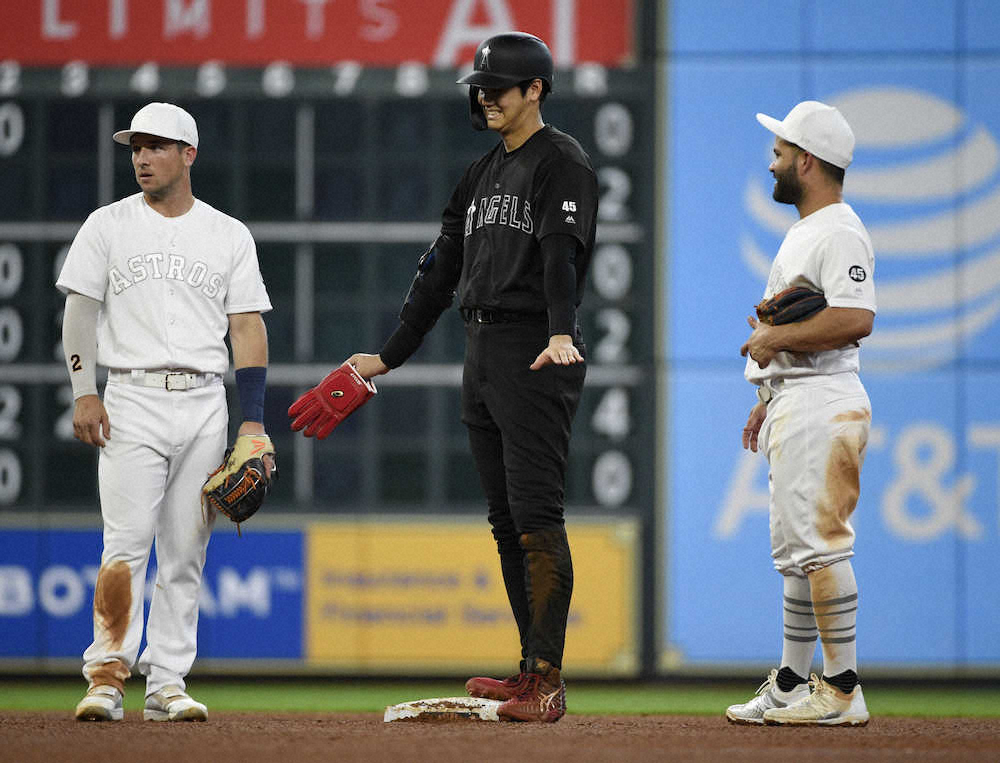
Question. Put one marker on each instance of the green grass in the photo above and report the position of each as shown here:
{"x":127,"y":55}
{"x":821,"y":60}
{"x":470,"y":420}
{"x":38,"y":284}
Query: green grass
{"x":597,"y":699}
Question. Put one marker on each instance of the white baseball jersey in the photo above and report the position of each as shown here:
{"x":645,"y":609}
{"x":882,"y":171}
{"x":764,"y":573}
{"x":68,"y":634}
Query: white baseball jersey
{"x":167,"y":283}
{"x":828,"y":251}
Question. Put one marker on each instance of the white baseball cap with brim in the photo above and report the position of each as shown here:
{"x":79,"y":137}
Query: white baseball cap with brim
{"x":164,"y":120}
{"x":818,"y":128}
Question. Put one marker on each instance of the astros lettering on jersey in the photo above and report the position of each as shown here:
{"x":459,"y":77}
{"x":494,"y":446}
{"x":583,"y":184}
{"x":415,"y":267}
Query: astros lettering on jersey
{"x":167,"y":284}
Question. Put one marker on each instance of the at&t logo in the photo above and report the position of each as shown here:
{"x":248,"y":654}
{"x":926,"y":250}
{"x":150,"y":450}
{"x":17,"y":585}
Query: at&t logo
{"x":925,"y":182}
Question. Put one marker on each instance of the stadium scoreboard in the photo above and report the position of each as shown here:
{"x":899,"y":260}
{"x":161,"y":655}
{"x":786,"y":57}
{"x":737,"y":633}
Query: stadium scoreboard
{"x":341,"y":173}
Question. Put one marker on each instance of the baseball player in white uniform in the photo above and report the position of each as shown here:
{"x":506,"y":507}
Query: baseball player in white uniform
{"x":154,"y":283}
{"x":812,"y":420}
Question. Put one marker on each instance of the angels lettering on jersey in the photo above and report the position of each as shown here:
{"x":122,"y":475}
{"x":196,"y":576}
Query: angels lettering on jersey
{"x":499,"y":209}
{"x":158,"y":266}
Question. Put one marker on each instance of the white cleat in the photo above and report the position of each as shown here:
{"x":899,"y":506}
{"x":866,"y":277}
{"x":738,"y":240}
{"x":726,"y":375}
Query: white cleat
{"x":826,"y":706}
{"x":768,"y":696}
{"x":102,"y":703}
{"x":172,"y":704}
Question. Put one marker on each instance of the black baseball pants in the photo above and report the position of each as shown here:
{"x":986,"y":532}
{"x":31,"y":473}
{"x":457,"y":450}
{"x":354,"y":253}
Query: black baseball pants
{"x":519,"y":425}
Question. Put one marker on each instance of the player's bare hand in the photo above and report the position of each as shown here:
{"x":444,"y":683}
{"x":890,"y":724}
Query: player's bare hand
{"x":752,"y":429}
{"x":761,"y":344}
{"x":90,"y":421}
{"x":561,"y":352}
{"x":368,"y":365}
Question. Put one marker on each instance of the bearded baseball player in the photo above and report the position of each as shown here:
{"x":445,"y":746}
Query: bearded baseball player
{"x":812,"y":421}
{"x":153,"y":285}
{"x":516,"y":240}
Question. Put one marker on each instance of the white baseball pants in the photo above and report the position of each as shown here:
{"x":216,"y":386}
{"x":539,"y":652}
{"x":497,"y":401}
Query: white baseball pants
{"x":814,"y":437}
{"x":163,"y":445}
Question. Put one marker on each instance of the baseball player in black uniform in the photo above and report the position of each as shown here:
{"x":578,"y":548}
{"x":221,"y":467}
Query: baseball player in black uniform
{"x":516,"y":240}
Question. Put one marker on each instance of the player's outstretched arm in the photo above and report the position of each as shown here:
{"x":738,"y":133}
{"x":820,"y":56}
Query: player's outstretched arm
{"x":368,"y":365}
{"x":431,"y":293}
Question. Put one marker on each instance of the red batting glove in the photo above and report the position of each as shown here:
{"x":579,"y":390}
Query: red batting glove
{"x":322,"y":408}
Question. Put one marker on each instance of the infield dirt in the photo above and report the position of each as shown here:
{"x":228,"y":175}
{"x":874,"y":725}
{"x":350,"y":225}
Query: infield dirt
{"x":49,"y":737}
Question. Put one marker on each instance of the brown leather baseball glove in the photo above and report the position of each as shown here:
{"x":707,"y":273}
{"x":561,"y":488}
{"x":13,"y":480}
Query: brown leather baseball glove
{"x":790,"y":306}
{"x":240,"y":484}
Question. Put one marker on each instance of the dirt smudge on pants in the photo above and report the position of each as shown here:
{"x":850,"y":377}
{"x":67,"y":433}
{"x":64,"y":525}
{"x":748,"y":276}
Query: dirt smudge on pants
{"x":113,"y":673}
{"x":549,"y":585}
{"x":843,"y":478}
{"x":113,"y":601}
{"x":541,"y":572}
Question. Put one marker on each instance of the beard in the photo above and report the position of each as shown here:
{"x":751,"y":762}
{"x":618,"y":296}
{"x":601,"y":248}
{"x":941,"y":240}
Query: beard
{"x":787,"y":188}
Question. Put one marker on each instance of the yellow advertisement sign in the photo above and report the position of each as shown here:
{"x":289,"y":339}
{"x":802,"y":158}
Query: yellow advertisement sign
{"x":428,"y":596}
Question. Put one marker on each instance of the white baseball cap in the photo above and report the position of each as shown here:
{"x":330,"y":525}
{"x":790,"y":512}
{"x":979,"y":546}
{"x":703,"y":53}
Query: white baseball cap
{"x":819,"y":129}
{"x":164,"y":120}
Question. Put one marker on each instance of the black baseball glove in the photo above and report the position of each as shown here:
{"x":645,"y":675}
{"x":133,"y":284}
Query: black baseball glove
{"x":790,"y":306}
{"x":240,"y":484}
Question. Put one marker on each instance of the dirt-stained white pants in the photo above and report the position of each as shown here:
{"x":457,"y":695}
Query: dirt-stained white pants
{"x":163,"y":445}
{"x":814,"y":437}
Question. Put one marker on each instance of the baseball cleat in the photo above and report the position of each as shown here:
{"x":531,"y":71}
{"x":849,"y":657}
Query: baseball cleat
{"x":542,"y":697}
{"x":101,"y":703}
{"x":768,"y":697}
{"x":826,"y":706}
{"x":491,"y":688}
{"x":172,"y":704}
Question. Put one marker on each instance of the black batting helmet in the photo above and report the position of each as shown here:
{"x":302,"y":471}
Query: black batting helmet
{"x":503,"y":61}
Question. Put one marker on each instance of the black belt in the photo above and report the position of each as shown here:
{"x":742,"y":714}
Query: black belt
{"x":485,"y":315}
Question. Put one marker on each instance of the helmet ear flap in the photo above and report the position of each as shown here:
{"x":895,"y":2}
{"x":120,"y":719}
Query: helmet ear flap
{"x":475,"y":109}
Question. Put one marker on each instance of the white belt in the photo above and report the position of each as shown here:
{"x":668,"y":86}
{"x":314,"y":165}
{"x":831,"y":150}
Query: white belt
{"x":169,"y":380}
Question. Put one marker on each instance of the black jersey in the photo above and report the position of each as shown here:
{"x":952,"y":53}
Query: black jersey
{"x":505,"y":204}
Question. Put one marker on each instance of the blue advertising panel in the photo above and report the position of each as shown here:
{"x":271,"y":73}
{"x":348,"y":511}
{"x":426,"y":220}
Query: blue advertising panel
{"x":886,"y":25}
{"x":926,"y":182}
{"x":982,"y":29}
{"x":46,"y":591}
{"x":251,"y":600}
{"x":980,"y":590}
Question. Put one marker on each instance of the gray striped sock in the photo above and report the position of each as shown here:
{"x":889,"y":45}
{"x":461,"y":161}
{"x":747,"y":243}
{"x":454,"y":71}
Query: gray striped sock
{"x":799,"y":641}
{"x":835,"y":602}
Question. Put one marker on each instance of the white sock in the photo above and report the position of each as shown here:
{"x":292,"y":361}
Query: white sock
{"x":799,"y":642}
{"x":835,"y":602}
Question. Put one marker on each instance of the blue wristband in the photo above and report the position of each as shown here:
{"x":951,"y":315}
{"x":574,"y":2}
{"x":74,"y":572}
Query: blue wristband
{"x":250,"y":384}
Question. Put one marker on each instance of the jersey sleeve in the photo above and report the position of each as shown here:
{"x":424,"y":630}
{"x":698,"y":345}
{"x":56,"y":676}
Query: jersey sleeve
{"x":847,"y":268}
{"x":565,"y":200}
{"x":85,"y":269}
{"x":453,"y":217}
{"x":433,"y":288}
{"x":247,"y":293}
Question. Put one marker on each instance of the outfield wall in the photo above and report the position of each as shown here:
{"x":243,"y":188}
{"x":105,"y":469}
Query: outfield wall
{"x":918,"y":81}
{"x":372,"y":596}
{"x":315,"y":173}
